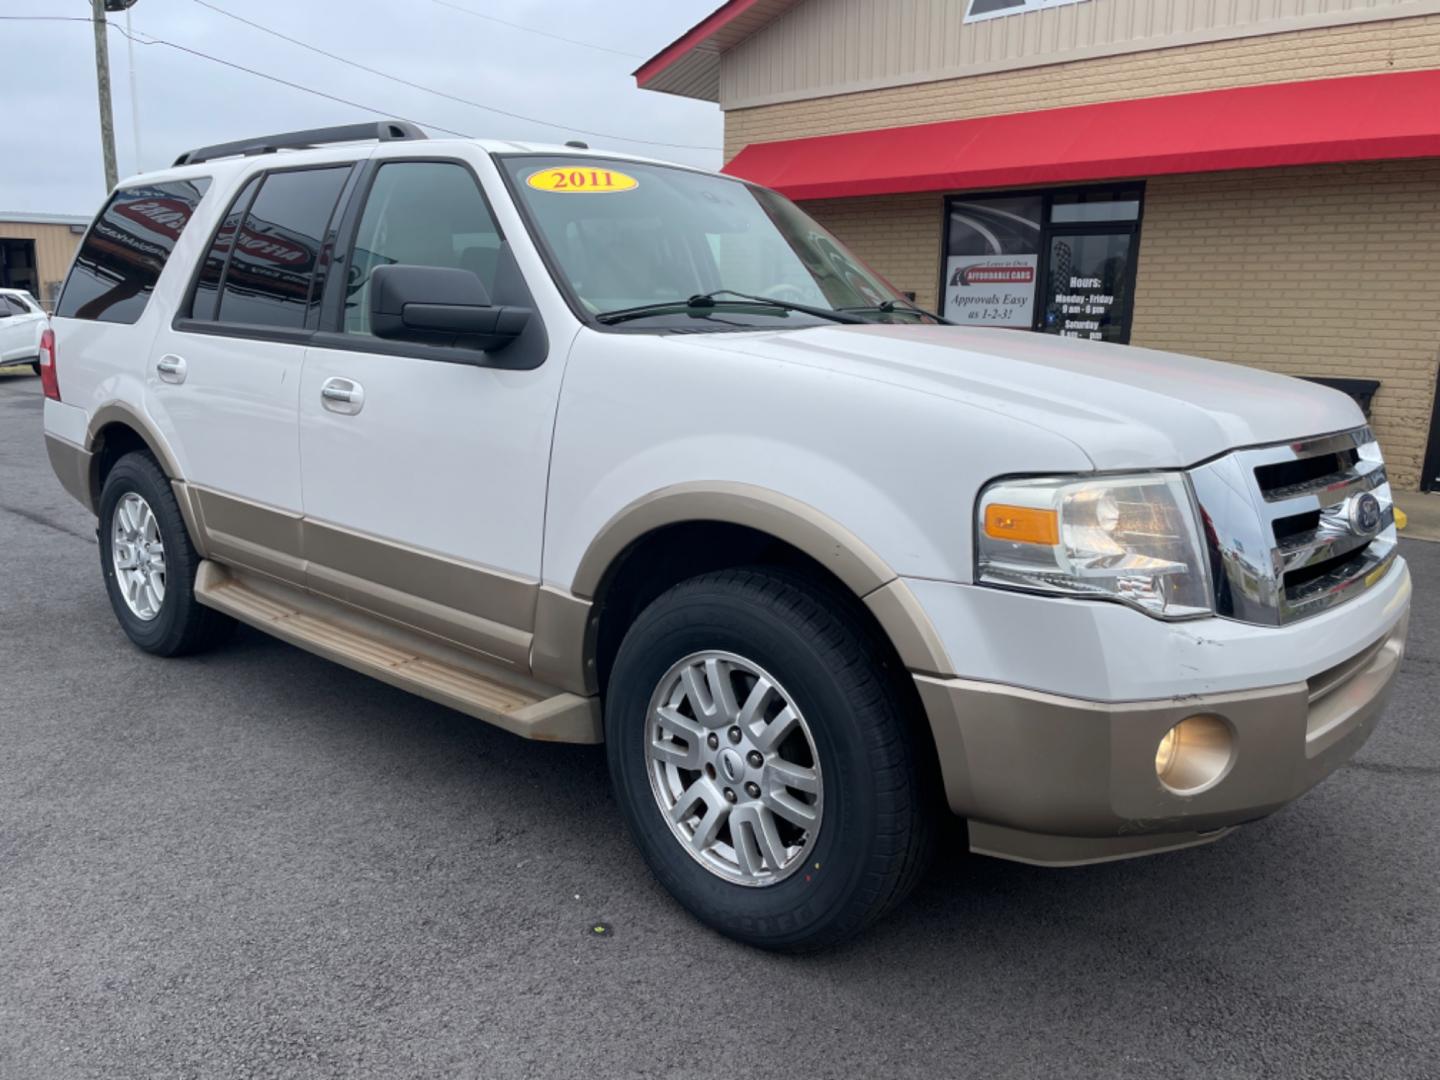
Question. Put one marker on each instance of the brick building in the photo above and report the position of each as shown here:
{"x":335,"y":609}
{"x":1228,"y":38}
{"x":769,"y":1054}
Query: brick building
{"x":35,"y":252}
{"x":1256,"y":182}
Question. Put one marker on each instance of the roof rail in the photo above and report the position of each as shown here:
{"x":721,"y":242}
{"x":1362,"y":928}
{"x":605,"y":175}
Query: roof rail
{"x":384,"y":130}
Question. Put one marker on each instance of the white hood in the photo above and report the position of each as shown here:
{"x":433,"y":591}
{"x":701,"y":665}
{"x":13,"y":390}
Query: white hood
{"x":1127,"y":408}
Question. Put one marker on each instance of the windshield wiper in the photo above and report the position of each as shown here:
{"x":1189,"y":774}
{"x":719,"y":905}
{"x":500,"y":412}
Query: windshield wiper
{"x":902,"y":307}
{"x":708,"y":302}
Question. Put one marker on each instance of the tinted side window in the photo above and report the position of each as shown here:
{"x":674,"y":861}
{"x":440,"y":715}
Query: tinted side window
{"x":420,"y":213}
{"x":125,"y":250}
{"x":207,"y":287}
{"x":272,"y":268}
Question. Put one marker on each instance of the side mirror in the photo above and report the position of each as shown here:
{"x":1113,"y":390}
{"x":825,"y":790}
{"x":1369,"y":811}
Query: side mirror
{"x":435,"y":305}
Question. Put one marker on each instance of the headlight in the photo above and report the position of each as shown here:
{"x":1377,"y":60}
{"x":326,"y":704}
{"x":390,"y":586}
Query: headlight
{"x":1128,"y":538}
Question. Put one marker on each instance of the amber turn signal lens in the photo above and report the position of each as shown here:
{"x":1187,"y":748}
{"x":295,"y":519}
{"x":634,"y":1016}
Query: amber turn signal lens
{"x":1022,"y":524}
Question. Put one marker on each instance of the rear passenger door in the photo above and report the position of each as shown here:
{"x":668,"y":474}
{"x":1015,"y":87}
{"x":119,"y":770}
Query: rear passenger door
{"x":226,"y":376}
{"x":424,"y":468}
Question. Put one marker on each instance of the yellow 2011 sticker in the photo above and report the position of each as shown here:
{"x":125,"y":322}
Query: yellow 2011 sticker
{"x":573,"y":179}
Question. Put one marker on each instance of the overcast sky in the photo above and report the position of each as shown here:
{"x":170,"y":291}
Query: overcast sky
{"x":50,"y":144}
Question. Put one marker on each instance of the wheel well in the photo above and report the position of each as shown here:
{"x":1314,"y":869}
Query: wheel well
{"x":674,"y":553}
{"x":112,"y":442}
{"x":669,"y":555}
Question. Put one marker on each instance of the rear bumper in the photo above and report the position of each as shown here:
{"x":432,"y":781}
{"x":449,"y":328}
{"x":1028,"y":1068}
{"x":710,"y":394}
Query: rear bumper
{"x":1064,"y":781}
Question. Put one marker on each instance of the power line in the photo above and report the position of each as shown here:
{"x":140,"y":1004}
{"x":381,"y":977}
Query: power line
{"x":45,"y":18}
{"x":569,"y":129}
{"x":542,"y":33}
{"x":147,"y":39}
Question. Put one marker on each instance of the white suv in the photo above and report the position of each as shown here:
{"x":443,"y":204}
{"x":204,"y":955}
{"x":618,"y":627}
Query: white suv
{"x":597,"y":448}
{"x":23,"y":323}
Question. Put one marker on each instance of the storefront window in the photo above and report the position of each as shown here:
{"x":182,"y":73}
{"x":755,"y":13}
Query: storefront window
{"x":1060,"y":262}
{"x":992,"y":260}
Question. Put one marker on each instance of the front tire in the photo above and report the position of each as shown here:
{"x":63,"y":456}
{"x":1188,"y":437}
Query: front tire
{"x":764,"y":760}
{"x":150,"y":564}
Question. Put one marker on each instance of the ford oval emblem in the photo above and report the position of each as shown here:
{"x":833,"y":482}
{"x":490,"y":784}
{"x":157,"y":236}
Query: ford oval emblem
{"x":1364,"y":515}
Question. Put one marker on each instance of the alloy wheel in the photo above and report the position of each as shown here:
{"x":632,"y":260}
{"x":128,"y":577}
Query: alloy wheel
{"x":734,"y":769}
{"x":137,"y":552}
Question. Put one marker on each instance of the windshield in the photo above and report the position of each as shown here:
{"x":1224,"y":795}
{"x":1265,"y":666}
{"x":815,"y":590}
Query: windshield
{"x":627,"y":236}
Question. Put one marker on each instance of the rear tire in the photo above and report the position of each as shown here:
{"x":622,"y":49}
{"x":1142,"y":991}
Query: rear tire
{"x":35,"y":366}
{"x":715,"y":639}
{"x":150,"y":564}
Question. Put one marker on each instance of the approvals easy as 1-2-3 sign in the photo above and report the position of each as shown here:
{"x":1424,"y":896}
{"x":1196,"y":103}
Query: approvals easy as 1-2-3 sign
{"x":991,"y":290}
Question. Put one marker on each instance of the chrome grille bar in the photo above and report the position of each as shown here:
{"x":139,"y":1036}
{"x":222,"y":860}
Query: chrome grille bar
{"x":1281,"y":552}
{"x":1332,"y":537}
{"x":1329,"y":490}
{"x":1341,"y":584}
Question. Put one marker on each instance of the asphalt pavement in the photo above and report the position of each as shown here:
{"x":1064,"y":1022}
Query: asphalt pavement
{"x":256,"y":863}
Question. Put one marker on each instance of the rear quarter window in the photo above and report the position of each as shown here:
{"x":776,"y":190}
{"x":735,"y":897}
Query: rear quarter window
{"x":126,"y":249}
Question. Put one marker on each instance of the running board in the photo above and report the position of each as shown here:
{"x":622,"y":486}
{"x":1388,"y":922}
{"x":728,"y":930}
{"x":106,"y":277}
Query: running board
{"x":401,"y":657}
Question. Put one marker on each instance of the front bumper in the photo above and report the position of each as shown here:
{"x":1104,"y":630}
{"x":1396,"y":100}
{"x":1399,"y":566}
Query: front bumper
{"x":1063,"y":781}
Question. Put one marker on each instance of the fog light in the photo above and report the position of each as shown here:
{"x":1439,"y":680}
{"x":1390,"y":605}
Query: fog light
{"x":1195,"y":754}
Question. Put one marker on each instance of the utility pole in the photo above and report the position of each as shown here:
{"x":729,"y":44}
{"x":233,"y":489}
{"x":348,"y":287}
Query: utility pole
{"x":134,"y":94}
{"x":102,"y":79}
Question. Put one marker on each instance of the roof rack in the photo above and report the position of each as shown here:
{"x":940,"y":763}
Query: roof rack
{"x":384,"y":131}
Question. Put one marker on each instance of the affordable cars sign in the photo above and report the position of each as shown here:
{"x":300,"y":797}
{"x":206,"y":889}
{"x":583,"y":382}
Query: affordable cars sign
{"x":991,"y":290}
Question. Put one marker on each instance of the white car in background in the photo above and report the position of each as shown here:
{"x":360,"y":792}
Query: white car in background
{"x":22,"y":322}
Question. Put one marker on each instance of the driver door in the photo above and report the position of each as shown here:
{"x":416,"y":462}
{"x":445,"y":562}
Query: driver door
{"x":423,"y":470}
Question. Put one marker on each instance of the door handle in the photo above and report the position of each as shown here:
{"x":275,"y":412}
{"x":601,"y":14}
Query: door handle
{"x":171,"y":368}
{"x":344,"y":396}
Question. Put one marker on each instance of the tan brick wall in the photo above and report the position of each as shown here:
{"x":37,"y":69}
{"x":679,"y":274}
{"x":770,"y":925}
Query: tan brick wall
{"x":897,"y":235}
{"x":1398,"y":45}
{"x":1331,"y":271}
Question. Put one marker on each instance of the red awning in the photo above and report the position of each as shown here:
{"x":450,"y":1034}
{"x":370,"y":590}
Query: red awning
{"x":1365,"y":118}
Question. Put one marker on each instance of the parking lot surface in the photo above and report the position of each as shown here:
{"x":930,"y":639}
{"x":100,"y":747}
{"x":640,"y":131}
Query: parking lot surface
{"x":257,"y":863}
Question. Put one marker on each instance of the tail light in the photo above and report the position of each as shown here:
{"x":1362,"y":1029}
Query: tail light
{"x":49,"y":381}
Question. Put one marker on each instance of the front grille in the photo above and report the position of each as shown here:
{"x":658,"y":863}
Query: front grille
{"x":1295,"y":477}
{"x":1290,"y":528}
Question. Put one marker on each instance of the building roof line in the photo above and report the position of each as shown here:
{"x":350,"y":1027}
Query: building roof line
{"x":25,"y":217}
{"x":690,"y":65}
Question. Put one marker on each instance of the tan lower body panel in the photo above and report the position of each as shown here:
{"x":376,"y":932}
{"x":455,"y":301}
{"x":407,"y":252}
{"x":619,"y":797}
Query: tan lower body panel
{"x":250,"y":535}
{"x":410,"y":661}
{"x":72,"y":466}
{"x":484,"y":611}
{"x":1060,"y":781}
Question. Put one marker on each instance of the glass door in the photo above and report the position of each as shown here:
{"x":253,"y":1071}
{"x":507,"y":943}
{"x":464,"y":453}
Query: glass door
{"x":1088,"y":285}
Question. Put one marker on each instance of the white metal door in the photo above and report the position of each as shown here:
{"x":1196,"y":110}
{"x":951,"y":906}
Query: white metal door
{"x":438,"y":467}
{"x":447,"y":458}
{"x":227,"y":380}
{"x":230,"y":406}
